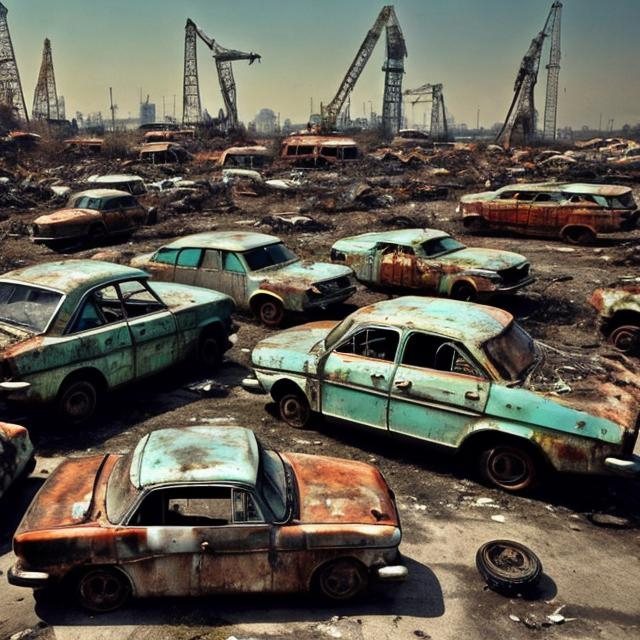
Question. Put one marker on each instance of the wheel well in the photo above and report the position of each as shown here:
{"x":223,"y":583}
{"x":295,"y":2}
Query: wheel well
{"x":575,"y":227}
{"x":476,"y":442}
{"x":313,"y":581}
{"x":620,"y":318}
{"x":282,"y":387}
{"x":89,"y":374}
{"x":215,"y":329}
{"x":470,"y":219}
{"x":70,"y":580}
{"x":258,"y":298}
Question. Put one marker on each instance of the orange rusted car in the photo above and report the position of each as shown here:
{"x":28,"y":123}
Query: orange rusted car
{"x":202,"y":510}
{"x":577,"y":213}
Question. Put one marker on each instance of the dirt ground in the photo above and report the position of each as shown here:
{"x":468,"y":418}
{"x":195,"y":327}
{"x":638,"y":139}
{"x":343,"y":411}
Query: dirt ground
{"x":591,"y":570}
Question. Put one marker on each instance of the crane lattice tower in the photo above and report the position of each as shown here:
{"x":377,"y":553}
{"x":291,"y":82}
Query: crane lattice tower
{"x":10,"y":86}
{"x":45,"y":98}
{"x":553,"y":75}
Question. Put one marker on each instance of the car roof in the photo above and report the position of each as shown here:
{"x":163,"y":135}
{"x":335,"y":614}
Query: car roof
{"x":69,"y":275}
{"x":101,"y":193}
{"x":569,"y":187}
{"x":401,"y":236}
{"x":464,"y":321}
{"x":116,"y":177}
{"x":225,"y":240}
{"x":196,"y":454}
{"x":254,"y":151}
{"x":324,"y":141}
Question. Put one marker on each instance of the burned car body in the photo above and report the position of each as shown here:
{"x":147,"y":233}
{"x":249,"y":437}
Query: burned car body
{"x":16,"y":454}
{"x":119,"y":182}
{"x":94,"y":214}
{"x":577,"y":213}
{"x":619,"y":310}
{"x":432,"y":262}
{"x":77,"y":328}
{"x":313,"y":150}
{"x":200,"y":510}
{"x":447,"y":372}
{"x":255,"y":269}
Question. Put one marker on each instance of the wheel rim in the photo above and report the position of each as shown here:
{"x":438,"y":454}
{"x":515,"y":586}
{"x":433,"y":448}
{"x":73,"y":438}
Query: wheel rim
{"x":342,"y":580}
{"x":508,"y":559}
{"x":294,"y":411}
{"x":78,"y":403}
{"x":626,"y":338}
{"x":270,"y":313}
{"x":102,"y":590}
{"x":508,"y":467}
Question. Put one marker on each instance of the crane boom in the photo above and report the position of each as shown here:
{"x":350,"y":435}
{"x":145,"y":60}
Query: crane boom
{"x":553,"y":75}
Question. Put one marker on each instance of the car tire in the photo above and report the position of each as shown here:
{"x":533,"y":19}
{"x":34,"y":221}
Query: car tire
{"x":294,"y":410}
{"x":626,"y":339}
{"x":508,"y":567}
{"x":341,"y":580}
{"x":464,"y":291}
{"x":102,"y":589}
{"x":270,"y":311}
{"x":475,"y":224}
{"x":578,"y":235}
{"x":508,"y":467}
{"x":209,"y":354}
{"x":77,"y":401}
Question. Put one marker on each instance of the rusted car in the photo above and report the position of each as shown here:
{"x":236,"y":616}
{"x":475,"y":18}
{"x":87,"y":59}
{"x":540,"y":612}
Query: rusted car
{"x":431,"y":262}
{"x":120,"y":182}
{"x":255,"y":157}
{"x":453,"y":373}
{"x":202,"y":510}
{"x":256,"y":270}
{"x":16,"y":454}
{"x":92,"y":215}
{"x":619,"y":310}
{"x":313,"y":151}
{"x":73,"y":330}
{"x":577,"y":213}
{"x":163,"y":153}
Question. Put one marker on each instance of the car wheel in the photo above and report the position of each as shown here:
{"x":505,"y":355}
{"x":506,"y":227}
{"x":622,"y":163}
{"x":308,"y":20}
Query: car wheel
{"x":77,"y":401}
{"x":209,"y":352}
{"x":476,"y":224}
{"x":342,"y":580}
{"x":270,"y":312}
{"x":508,"y":467}
{"x":626,"y":338}
{"x":464,"y":291}
{"x":579,"y":235}
{"x":294,"y":410}
{"x":508,"y":566}
{"x":102,"y":589}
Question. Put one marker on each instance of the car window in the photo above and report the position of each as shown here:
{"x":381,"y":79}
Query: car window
{"x":267,"y":256}
{"x":165,"y":256}
{"x":440,"y":247}
{"x":435,"y":352}
{"x":26,"y":306}
{"x":379,"y":344}
{"x":189,"y":258}
{"x":548,"y":197}
{"x":110,"y":205}
{"x":349,"y":153}
{"x":231,"y":262}
{"x":138,"y":300}
{"x":211,"y":260}
{"x":245,"y":508}
{"x":526,"y":196}
{"x":507,"y":195}
{"x":100,"y":308}
{"x":391,"y":247}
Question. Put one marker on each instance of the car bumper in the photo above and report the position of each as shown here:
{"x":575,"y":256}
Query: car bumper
{"x":392,"y":573}
{"x":18,"y":577}
{"x":517,"y":285}
{"x":624,"y":466}
{"x":326,"y":301}
{"x":251,"y":383}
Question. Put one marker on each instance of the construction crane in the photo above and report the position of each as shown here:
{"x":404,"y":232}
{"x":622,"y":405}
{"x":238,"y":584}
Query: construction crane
{"x":393,"y":68}
{"x":521,"y":116}
{"x":432,"y":93}
{"x":192,"y":109}
{"x":10,"y":86}
{"x":553,"y":74}
{"x":45,"y":99}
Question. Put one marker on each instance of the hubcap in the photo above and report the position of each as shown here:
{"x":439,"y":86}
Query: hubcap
{"x":269,"y":312}
{"x":343,"y":581}
{"x":101,"y":590}
{"x":626,"y":339}
{"x":78,"y":404}
{"x":293,"y":411}
{"x":508,"y":467}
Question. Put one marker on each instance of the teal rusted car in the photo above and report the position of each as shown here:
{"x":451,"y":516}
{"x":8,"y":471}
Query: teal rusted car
{"x":71,"y":330}
{"x":447,"y":372}
{"x":431,"y":262}
{"x":258,"y":271}
{"x":619,"y":309}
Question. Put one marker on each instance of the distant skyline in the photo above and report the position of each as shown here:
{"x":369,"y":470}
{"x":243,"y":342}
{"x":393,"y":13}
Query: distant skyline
{"x":473,"y":47}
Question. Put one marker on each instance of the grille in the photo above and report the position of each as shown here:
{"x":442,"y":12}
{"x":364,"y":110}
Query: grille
{"x":514,"y":275}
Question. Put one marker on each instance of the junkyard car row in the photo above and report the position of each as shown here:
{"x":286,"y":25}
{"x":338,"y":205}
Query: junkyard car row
{"x":197,"y":510}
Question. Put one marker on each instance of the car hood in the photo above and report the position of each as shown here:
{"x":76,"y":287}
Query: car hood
{"x":305,"y":274}
{"x":10,"y":335}
{"x":67,"y":215}
{"x":341,"y":491}
{"x":289,"y":350}
{"x":65,"y":498}
{"x":492,"y":259}
{"x":176,"y":296}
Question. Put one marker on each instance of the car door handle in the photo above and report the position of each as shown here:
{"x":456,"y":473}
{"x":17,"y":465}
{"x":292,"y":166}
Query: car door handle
{"x":472,"y":395}
{"x":403,"y":384}
{"x":205,"y":546}
{"x":377,"y":376}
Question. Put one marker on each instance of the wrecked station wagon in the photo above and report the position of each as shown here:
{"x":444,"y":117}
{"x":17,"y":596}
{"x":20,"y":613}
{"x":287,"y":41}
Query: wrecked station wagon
{"x":72,"y":330}
{"x":447,"y":372}
{"x":577,"y":213}
{"x":257,"y":270}
{"x":431,"y":261}
{"x":201,"y":510}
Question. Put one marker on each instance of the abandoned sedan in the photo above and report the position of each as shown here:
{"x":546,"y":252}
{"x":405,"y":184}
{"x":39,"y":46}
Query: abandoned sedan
{"x":72,"y":330}
{"x":255,"y":269}
{"x":577,"y":213}
{"x":93,"y":215}
{"x":201,"y":510}
{"x":431,"y":262}
{"x":619,"y":310}
{"x":16,"y":454}
{"x":448,"y":372}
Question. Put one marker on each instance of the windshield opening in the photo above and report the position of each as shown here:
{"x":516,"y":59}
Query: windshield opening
{"x":336,"y":334}
{"x":25,"y":306}
{"x":273,"y":483}
{"x":120,"y":492}
{"x":440,"y":246}
{"x":264,"y":257}
{"x":512,"y":352}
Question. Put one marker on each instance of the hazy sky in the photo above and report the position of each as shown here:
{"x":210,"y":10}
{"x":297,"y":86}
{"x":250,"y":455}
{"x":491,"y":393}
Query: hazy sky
{"x":473,"y":47}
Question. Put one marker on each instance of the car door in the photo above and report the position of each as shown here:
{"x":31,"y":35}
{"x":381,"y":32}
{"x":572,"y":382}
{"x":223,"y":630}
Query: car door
{"x":114,"y":214}
{"x":438,"y":392}
{"x":187,"y":265}
{"x":543,"y":214}
{"x":232,"y":278}
{"x":153,"y":328}
{"x":355,"y":376}
{"x":210,"y":271}
{"x":502,"y":211}
{"x":398,"y":266}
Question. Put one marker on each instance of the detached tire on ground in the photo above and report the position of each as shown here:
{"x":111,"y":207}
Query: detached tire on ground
{"x":77,"y":400}
{"x":341,"y":580}
{"x":508,"y":567}
{"x":102,"y":589}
